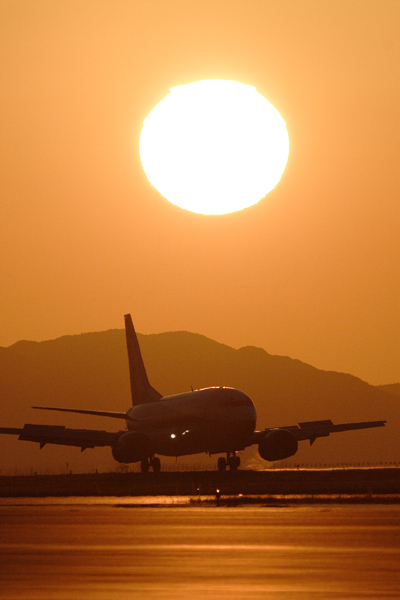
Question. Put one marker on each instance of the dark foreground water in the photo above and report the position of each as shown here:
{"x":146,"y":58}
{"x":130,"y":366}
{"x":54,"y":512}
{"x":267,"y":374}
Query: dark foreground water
{"x":116,"y":552}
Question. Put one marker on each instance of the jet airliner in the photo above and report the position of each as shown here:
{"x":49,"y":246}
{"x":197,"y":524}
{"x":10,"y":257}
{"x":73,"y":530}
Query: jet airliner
{"x":214,"y":420}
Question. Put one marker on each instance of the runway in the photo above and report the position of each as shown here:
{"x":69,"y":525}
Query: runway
{"x":85,"y":550}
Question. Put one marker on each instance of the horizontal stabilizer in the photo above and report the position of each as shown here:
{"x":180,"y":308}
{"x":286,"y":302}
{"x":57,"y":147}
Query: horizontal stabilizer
{"x":97,"y":413}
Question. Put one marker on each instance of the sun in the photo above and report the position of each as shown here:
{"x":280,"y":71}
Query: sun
{"x":214,"y":146}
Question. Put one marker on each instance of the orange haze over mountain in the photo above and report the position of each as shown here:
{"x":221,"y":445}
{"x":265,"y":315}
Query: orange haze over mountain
{"x":311,"y":271}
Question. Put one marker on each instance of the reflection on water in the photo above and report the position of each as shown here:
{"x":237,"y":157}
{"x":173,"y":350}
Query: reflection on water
{"x":204,"y":500}
{"x":87,"y":550}
{"x":101,"y":501}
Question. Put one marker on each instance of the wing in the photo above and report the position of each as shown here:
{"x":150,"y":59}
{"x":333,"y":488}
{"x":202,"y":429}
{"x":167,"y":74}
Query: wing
{"x":58,"y":434}
{"x":311,"y":430}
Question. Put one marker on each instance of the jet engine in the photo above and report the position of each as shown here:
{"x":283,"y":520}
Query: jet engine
{"x":278,"y":444}
{"x":132,"y":447}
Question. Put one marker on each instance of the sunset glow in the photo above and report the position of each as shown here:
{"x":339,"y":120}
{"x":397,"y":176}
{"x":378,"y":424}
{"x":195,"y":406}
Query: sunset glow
{"x":311,"y":271}
{"x":214,"y":146}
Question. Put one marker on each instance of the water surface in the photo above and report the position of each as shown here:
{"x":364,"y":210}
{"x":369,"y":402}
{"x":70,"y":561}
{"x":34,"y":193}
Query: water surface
{"x":92,"y":551}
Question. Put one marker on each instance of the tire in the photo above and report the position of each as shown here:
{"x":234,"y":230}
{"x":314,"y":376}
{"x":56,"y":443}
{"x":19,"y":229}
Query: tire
{"x":234,"y":463}
{"x":156,"y":464}
{"x":221,"y":464}
{"x":144,"y":465}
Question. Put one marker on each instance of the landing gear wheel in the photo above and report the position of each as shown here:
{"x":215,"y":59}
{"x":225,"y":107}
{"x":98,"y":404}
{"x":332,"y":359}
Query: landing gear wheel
{"x":156,"y":464}
{"x":221,"y":464}
{"x":234,"y":462}
{"x":144,"y":465}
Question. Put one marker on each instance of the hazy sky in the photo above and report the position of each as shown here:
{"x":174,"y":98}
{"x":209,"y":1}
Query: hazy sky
{"x":312,"y":271}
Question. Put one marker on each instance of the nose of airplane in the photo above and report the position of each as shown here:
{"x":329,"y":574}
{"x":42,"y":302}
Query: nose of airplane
{"x":252,"y":415}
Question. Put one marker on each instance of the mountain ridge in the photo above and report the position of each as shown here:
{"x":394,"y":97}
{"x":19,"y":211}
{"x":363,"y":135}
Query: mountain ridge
{"x":90,"y":370}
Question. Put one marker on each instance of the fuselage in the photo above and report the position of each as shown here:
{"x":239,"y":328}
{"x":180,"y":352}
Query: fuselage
{"x":208,"y":420}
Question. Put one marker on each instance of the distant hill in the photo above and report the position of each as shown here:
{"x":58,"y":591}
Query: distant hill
{"x":91,"y":371}
{"x":393,"y":388}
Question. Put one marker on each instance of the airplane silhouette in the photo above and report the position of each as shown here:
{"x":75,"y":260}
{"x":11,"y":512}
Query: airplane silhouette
{"x":214,"y":420}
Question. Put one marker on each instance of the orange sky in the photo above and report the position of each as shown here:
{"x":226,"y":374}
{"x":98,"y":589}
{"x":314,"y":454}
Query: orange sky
{"x":312,"y":271}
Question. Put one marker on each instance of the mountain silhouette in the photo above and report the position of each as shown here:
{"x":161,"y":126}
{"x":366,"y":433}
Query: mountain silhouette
{"x":91,"y":371}
{"x":393,"y":388}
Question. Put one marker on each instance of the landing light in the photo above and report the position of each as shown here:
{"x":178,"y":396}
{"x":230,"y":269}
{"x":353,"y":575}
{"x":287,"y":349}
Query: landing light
{"x":173,"y":435}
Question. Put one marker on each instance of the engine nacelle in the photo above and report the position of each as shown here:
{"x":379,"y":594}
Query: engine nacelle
{"x":278,"y":444}
{"x":132,"y":447}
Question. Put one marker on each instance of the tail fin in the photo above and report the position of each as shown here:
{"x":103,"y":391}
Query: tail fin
{"x":142,"y":392}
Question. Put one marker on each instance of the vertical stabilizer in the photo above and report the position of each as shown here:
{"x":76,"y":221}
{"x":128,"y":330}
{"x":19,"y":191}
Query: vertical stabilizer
{"x":141,"y":389}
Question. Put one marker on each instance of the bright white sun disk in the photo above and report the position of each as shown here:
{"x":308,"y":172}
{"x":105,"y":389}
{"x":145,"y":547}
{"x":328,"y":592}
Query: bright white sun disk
{"x":214,"y":146}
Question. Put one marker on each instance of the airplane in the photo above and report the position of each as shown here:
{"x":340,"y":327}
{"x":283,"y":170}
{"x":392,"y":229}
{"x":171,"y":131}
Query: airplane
{"x":214,"y":420}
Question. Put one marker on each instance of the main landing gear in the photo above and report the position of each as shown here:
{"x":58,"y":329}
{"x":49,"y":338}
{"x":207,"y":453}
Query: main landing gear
{"x":232,"y":461}
{"x":154,"y":463}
